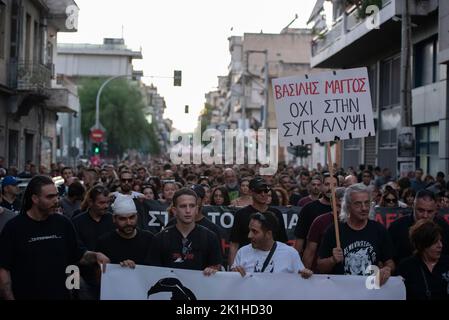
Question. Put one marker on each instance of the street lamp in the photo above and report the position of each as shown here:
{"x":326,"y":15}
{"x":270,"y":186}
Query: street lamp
{"x":97,"y":105}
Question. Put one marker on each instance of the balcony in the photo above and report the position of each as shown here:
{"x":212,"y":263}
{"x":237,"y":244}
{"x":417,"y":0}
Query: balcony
{"x":62,"y":100}
{"x":351,"y":36}
{"x":29,"y":76}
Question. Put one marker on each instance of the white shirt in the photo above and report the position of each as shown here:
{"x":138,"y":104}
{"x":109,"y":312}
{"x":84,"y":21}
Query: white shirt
{"x":134,"y":194}
{"x":284,"y":259}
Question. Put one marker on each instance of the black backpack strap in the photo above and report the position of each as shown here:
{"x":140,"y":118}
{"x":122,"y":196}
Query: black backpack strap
{"x":267,"y":260}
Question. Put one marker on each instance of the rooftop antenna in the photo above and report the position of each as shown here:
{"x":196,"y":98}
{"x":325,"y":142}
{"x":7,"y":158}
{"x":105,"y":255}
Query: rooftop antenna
{"x":296,"y":17}
{"x":123,"y":31}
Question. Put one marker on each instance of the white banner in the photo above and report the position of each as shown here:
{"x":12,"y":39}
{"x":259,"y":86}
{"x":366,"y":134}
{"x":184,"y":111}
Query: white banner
{"x":324,"y":106}
{"x":154,"y":283}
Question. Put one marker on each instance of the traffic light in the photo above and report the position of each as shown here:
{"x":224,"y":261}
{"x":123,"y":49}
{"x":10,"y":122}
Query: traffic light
{"x":96,"y":148}
{"x":304,"y":151}
{"x":186,"y":109}
{"x":177,"y":78}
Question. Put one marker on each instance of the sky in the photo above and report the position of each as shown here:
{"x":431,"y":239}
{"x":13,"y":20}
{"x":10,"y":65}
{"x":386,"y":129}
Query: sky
{"x":191,"y":36}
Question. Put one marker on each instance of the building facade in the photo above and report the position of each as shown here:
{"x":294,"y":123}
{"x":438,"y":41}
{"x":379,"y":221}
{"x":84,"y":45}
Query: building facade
{"x":29,"y":96}
{"x":354,"y":41}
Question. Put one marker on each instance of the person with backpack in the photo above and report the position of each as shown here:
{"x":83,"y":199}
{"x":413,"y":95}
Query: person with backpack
{"x":186,"y":245}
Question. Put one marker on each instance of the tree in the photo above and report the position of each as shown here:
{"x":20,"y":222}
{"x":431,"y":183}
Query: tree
{"x":121,"y":113}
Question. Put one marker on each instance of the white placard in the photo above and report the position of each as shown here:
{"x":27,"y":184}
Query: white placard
{"x":323,"y":107}
{"x":154,"y":283}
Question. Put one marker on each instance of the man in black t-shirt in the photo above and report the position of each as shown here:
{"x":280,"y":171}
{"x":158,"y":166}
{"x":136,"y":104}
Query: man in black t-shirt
{"x":186,"y":245}
{"x":239,"y":232}
{"x":312,"y":210}
{"x":126,"y":245}
{"x":364,"y":243}
{"x":90,"y":226}
{"x":200,"y":218}
{"x":425,"y":207}
{"x":38,"y":245}
{"x":96,"y":220}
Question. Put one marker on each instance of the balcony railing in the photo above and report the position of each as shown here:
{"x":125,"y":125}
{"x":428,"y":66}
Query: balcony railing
{"x":29,"y":75}
{"x":347,"y":22}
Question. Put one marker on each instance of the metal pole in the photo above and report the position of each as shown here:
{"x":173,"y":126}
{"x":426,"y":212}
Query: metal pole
{"x":97,"y":107}
{"x":265,"y":111}
{"x":406,"y":99}
{"x":244,"y":92}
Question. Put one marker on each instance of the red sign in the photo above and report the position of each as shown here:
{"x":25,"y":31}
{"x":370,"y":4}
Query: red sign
{"x":97,"y":135}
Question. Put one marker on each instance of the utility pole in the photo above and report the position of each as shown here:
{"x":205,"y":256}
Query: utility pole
{"x":266,"y":84}
{"x":406,"y":89}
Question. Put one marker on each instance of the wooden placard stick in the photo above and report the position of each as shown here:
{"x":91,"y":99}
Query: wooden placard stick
{"x":333,"y":200}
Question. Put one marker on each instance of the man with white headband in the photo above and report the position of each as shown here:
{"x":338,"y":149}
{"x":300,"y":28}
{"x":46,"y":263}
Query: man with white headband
{"x":126,"y":244}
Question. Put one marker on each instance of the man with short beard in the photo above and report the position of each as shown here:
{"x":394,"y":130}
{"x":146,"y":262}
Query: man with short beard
{"x":312,"y":211}
{"x":239,"y":231}
{"x":231,"y":183}
{"x":126,"y":185}
{"x":314,"y":192}
{"x":126,"y":245}
{"x":37,"y":245}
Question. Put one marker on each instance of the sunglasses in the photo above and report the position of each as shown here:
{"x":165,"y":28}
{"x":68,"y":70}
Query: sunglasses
{"x":389,"y":200}
{"x":127,"y":180}
{"x":266,"y":190}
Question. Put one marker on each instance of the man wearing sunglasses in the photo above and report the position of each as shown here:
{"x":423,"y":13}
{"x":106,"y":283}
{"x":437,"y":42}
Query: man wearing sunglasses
{"x":239,"y":232}
{"x":126,"y":185}
{"x":264,"y":254}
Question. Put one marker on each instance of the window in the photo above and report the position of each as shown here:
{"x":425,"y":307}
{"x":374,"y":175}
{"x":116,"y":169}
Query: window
{"x":352,"y":144}
{"x":389,"y":95}
{"x":29,"y":147}
{"x":13,"y":148}
{"x":390,"y":120}
{"x":14,"y":29}
{"x":28,"y":48}
{"x":426,"y":67}
{"x":2,"y":29}
{"x":372,"y":76}
{"x":36,"y":44}
{"x":427,"y":148}
{"x":390,"y":82}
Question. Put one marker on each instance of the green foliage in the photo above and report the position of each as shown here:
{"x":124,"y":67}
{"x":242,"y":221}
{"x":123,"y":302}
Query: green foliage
{"x":121,"y":113}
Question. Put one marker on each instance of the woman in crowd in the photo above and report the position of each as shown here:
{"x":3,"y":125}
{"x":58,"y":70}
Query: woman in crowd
{"x":426,"y":272}
{"x":408,"y":197}
{"x":282,"y":196}
{"x":149,"y":192}
{"x":245,"y":198}
{"x":220,"y":197}
{"x":273,"y":199}
{"x":390,"y":199}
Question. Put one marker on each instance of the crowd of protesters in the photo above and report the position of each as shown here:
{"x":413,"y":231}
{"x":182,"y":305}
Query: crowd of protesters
{"x":99,"y":222}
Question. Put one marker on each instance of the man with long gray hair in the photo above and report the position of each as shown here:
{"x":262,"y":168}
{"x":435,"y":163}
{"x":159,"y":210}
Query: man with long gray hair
{"x":365,"y":243}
